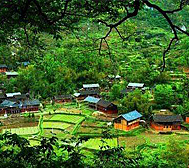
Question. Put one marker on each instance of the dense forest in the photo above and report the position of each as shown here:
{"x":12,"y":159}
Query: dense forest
{"x":69,"y":43}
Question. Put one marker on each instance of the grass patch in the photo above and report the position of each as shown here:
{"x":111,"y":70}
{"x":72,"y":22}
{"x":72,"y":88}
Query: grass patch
{"x":96,"y":143}
{"x":55,"y":125}
{"x":23,"y":130}
{"x":67,"y":118}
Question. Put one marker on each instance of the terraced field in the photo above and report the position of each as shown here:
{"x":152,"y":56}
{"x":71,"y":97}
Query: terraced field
{"x":67,"y":118}
{"x":23,"y":130}
{"x":96,"y":143}
{"x":59,"y":125}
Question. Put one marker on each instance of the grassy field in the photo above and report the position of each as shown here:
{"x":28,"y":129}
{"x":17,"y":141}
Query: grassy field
{"x":23,"y":130}
{"x":55,"y":125}
{"x":96,"y":143}
{"x":67,"y":118}
{"x":58,"y":133}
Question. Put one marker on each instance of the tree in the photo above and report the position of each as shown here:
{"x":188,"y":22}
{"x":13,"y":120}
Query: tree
{"x":115,"y":92}
{"x":164,"y":96}
{"x":54,"y":16}
{"x":137,"y":101}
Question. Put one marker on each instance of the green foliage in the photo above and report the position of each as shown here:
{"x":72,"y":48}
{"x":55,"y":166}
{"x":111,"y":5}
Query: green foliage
{"x":115,"y":92}
{"x":164,"y":96}
{"x":136,"y":100}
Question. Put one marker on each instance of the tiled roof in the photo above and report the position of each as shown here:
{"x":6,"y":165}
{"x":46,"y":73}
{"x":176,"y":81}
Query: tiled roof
{"x":167,"y":118}
{"x":91,"y":85}
{"x":59,"y":97}
{"x":133,"y":115}
{"x":103,"y":103}
{"x":89,"y":92}
{"x":34,"y":102}
{"x":91,"y":99}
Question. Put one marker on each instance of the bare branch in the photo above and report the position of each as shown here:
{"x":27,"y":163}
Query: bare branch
{"x":166,"y":51}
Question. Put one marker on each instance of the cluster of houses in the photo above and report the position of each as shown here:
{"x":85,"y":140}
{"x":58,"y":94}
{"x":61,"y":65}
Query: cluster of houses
{"x":90,"y":93}
{"x":11,"y":103}
{"x":158,"y":122}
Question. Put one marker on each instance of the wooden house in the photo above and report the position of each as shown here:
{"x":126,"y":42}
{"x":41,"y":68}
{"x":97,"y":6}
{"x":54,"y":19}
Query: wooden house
{"x":91,"y":86}
{"x":30,"y":105}
{"x":166,"y":122}
{"x":63,"y":98}
{"x":3,"y":68}
{"x":92,"y":101}
{"x":11,"y":107}
{"x":106,"y":107}
{"x":127,"y":121}
{"x":85,"y":93}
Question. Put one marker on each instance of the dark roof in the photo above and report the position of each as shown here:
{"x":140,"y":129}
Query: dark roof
{"x":59,"y":97}
{"x":125,"y":91}
{"x":34,"y":102}
{"x":2,"y":96}
{"x":3,"y":66}
{"x":103,"y":103}
{"x":89,"y":92}
{"x":133,"y":115}
{"x":167,"y":118}
{"x":22,"y":96}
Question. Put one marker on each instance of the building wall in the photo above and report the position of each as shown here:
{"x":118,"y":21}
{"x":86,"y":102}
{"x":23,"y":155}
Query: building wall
{"x":63,"y":100}
{"x":107,"y":110}
{"x":124,"y":125}
{"x":161,"y":127}
{"x":187,"y":119}
{"x":3,"y":70}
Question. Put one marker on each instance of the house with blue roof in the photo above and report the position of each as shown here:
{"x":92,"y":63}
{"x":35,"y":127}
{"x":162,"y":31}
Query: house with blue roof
{"x":127,"y":121}
{"x":92,"y":101}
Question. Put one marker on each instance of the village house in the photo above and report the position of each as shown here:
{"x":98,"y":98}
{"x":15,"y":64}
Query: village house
{"x":91,"y":87}
{"x":16,"y":106}
{"x":106,"y":107}
{"x":84,"y":93}
{"x":63,"y":98}
{"x":166,"y":122}
{"x":3,"y":68}
{"x":127,"y":121}
{"x":10,"y":107}
{"x":92,"y":101}
{"x":30,"y":105}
